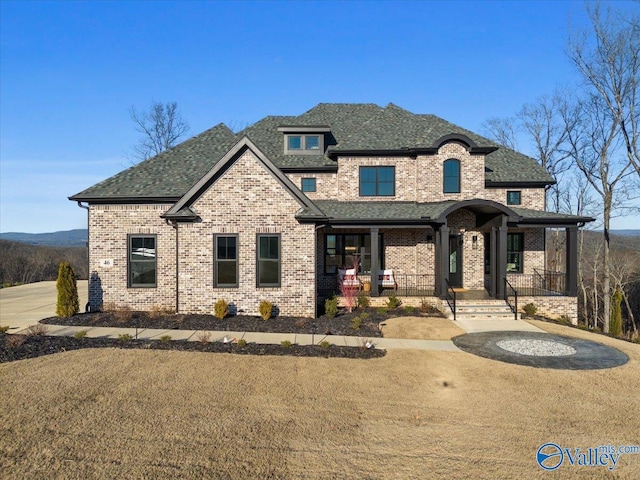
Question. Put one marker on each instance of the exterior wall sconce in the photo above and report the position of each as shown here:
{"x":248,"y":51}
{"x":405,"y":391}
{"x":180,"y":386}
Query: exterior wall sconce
{"x":474,"y":241}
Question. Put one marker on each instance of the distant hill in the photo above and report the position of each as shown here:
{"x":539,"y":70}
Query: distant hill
{"x":626,"y":233}
{"x":69,"y":238}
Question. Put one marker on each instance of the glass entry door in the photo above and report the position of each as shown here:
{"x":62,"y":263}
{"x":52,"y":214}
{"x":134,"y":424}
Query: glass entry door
{"x":455,"y":260}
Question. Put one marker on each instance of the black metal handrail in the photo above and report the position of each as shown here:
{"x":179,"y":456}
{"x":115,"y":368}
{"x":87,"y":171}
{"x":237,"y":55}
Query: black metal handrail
{"x":514,"y":308}
{"x":448,"y":296}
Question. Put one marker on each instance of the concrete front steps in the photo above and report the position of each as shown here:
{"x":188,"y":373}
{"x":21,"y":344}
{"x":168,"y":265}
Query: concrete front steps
{"x":492,"y":309}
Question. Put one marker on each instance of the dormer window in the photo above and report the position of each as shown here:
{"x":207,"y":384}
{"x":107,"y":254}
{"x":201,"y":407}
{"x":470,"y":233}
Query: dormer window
{"x":304,"y":140}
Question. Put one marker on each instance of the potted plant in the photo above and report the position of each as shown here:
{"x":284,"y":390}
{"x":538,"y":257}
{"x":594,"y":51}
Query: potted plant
{"x":366,"y":286}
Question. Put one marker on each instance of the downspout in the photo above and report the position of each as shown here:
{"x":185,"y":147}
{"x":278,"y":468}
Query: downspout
{"x":87,"y":307}
{"x":174,"y":224}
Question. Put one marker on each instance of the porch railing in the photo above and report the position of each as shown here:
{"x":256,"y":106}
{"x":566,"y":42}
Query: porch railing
{"x":539,"y":283}
{"x":450,"y":297}
{"x":509,"y":292}
{"x":409,"y":285}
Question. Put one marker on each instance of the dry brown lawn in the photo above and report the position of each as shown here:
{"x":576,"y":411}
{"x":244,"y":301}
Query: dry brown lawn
{"x":414,"y":414}
{"x":421,"y":328}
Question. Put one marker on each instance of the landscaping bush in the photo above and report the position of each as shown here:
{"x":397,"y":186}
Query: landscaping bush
{"x":286,"y":344}
{"x":393,"y":302}
{"x":331,"y":306}
{"x":4,"y":328}
{"x":165,"y":338}
{"x":204,"y":337}
{"x":80,"y":334}
{"x":67,"y":287}
{"x":125,"y":337}
{"x":356,"y":322}
{"x":530,"y":309}
{"x":363,"y":301}
{"x":221,"y":309}
{"x":38,"y":329}
{"x":266,"y":309}
{"x":324,"y":345}
{"x":615,"y":325}
{"x":242,"y":343}
{"x":564,"y":319}
{"x":409,"y":309}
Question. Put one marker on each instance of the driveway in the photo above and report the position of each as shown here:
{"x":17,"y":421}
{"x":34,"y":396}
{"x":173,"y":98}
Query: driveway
{"x":25,"y":305}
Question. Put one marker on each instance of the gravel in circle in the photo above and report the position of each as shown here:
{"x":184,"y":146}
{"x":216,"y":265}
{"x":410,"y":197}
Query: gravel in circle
{"x":536,"y":348}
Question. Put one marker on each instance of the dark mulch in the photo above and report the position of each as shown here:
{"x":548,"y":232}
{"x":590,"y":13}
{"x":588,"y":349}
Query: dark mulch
{"x":338,"y":325}
{"x":19,"y":347}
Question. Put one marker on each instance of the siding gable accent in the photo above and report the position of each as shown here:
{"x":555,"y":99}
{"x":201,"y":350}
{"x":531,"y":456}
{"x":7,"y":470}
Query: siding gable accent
{"x":220,"y":168}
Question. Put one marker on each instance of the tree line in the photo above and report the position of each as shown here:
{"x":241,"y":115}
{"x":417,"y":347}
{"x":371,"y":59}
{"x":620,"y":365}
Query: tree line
{"x":587,"y":137}
{"x":23,"y":263}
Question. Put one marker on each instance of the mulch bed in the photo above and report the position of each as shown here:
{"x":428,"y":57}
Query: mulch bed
{"x":20,"y":347}
{"x":341,"y":324}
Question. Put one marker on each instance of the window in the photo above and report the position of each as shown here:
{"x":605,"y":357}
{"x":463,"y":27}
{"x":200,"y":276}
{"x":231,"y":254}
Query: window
{"x":299,"y":144}
{"x":294,"y":142}
{"x":268,"y":261}
{"x":343,"y":249}
{"x":312,"y":142}
{"x":451,"y":182}
{"x":142,"y":260}
{"x":515,"y":252}
{"x":309,"y":184}
{"x":225,"y":269}
{"x":514,"y":197}
{"x":377,"y":181}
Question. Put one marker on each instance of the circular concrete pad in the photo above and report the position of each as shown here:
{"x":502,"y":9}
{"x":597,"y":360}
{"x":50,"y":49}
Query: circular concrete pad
{"x":588,"y":355}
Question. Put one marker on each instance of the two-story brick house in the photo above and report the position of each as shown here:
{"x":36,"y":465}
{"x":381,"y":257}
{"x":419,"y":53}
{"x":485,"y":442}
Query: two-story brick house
{"x":273,"y":211}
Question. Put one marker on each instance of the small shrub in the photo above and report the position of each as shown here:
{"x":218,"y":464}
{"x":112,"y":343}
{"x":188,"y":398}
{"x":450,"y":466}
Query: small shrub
{"x":80,"y":334}
{"x":165,"y":338}
{"x":123,"y":314}
{"x":364,"y":315}
{"x":242,"y":343}
{"x":530,"y":309}
{"x":286,"y":344}
{"x":14,"y":341}
{"x":409,"y":309}
{"x":331,"y":306}
{"x":301,"y":323}
{"x":356,"y":322}
{"x":564,"y":319}
{"x":204,"y":337}
{"x":428,"y":307}
{"x":4,"y":328}
{"x":125,"y":337}
{"x":324,"y":345}
{"x":221,"y":309}
{"x":382,"y":310}
{"x":109,"y":307}
{"x":266,"y":309}
{"x":363,"y":301}
{"x":393,"y":302}
{"x":157,"y":311}
{"x":67,"y":287}
{"x":366,"y":343}
{"x":38,"y":329}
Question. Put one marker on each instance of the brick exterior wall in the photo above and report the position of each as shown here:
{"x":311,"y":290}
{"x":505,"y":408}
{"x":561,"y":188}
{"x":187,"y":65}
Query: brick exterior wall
{"x":529,"y":197}
{"x":109,"y":227}
{"x":553,"y":306}
{"x":326,"y":184}
{"x":247,"y":200}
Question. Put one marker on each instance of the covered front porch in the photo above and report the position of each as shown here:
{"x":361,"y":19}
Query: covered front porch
{"x":466,"y":246}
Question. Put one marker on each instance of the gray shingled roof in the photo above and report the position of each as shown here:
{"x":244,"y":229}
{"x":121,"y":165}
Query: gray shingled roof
{"x":384,"y":211}
{"x":353,"y":127}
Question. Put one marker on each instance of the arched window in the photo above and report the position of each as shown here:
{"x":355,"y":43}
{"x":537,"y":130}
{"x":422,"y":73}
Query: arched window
{"x":451,"y":180}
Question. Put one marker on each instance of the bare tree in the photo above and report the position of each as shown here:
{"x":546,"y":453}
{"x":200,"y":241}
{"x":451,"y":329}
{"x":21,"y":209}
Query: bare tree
{"x":160,"y":128}
{"x":594,"y":124}
{"x":503,"y":130}
{"x":608,"y":58}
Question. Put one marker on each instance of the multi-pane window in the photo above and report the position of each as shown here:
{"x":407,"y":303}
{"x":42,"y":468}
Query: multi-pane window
{"x":377,"y":181}
{"x":451,"y":174}
{"x":515,"y":252}
{"x":345,"y":249}
{"x":309,"y":184}
{"x":514,"y":197}
{"x":225,"y":269}
{"x":303,"y":144}
{"x":142,"y":260}
{"x":268,"y":260}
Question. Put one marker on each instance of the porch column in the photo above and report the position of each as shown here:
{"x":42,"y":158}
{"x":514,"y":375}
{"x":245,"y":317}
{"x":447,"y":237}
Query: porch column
{"x":501,"y":260}
{"x":375,"y":290}
{"x":442,"y":260}
{"x":571,"y":262}
{"x":492,"y":262}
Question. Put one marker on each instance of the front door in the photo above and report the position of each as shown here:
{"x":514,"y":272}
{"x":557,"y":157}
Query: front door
{"x":455,"y":260}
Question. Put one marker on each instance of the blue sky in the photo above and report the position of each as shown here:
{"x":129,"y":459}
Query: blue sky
{"x":70,"y":71}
